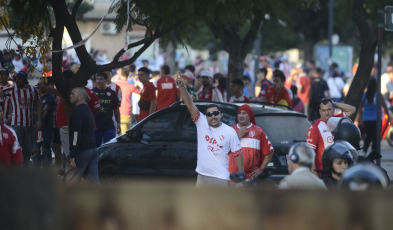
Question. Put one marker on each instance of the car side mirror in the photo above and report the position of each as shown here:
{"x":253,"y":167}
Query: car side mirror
{"x":238,"y":177}
{"x":132,"y":134}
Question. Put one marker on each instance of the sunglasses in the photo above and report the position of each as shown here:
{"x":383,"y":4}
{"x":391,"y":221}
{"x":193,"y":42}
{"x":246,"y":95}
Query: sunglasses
{"x":215,"y":113}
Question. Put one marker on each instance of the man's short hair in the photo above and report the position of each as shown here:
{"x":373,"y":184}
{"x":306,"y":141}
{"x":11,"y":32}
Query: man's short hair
{"x":125,"y":72}
{"x":326,"y":101}
{"x":103,"y":74}
{"x":81,"y":91}
{"x":263,"y":70}
{"x":302,"y":154}
{"x":145,"y":70}
{"x":238,"y":82}
{"x":279,"y":74}
{"x":246,"y":77}
{"x":132,"y":68}
{"x":212,"y":106}
{"x":166,"y":69}
{"x":190,"y":68}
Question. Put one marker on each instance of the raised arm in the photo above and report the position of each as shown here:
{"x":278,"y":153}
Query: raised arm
{"x":187,"y":98}
{"x":349,"y":110}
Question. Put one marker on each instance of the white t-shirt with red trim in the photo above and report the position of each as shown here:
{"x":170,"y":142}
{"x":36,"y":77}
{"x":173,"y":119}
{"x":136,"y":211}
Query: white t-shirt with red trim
{"x":214,"y":144}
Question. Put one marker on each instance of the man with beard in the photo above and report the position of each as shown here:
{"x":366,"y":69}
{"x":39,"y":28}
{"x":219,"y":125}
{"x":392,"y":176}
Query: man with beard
{"x":215,"y":141}
{"x":23,"y":96}
{"x":209,"y":92}
{"x":256,"y":146}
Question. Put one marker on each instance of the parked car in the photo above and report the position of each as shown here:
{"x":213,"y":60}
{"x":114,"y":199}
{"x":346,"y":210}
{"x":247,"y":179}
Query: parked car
{"x":164,"y":144}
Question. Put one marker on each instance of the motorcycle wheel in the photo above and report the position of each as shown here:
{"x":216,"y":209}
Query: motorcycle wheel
{"x":389,"y":137}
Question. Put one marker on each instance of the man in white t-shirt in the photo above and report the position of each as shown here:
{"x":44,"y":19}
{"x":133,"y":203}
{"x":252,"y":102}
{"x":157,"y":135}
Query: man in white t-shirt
{"x":215,"y":141}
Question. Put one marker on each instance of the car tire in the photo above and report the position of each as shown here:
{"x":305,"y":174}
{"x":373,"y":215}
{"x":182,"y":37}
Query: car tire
{"x":109,"y":173}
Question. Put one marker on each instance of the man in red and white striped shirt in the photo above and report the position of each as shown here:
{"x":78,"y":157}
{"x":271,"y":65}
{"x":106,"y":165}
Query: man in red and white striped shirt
{"x":5,"y":100}
{"x":23,"y":96}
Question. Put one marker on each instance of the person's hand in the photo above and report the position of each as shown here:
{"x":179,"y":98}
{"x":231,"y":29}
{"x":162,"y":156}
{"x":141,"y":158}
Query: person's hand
{"x":242,"y":131}
{"x":38,"y":125}
{"x":180,"y":82}
{"x":72,"y":162}
{"x":118,"y":129}
{"x":255,"y":172}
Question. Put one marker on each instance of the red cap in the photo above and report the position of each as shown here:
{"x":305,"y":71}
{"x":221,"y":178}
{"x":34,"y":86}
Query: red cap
{"x":248,"y":110}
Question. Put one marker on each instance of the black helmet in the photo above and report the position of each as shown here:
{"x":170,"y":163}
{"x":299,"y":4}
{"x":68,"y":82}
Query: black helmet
{"x":334,"y":151}
{"x":362,"y":177}
{"x":352,"y":150}
{"x":348,"y":131}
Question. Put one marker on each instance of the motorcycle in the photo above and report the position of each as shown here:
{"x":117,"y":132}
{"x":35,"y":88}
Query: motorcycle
{"x":387,"y":129}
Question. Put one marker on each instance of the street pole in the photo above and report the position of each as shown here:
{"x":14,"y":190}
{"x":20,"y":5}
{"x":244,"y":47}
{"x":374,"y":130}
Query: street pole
{"x":379,"y":124}
{"x":331,"y":16}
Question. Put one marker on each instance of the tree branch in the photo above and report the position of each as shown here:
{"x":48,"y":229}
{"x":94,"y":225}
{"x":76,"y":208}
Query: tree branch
{"x":75,"y":8}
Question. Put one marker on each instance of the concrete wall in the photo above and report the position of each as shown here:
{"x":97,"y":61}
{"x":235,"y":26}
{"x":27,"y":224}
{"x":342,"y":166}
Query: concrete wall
{"x":37,"y":200}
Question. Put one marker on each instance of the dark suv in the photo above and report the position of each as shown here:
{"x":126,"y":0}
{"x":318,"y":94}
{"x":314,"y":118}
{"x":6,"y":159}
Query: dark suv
{"x":165,"y":144}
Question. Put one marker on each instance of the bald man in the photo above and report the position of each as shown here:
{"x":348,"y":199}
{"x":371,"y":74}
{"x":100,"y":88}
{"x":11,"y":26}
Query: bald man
{"x":83,"y":152}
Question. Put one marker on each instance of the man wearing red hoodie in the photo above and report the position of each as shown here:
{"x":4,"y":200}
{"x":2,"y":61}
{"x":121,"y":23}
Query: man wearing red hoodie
{"x":257,"y":149}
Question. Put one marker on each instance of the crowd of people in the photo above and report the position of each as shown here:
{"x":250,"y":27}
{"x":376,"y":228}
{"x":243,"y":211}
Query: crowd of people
{"x":35,"y":122}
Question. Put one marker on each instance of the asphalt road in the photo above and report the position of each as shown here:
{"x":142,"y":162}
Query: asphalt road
{"x":387,"y":158}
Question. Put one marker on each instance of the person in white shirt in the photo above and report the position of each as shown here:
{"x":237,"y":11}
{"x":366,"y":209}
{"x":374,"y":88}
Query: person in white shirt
{"x":215,"y":141}
{"x":300,"y":162}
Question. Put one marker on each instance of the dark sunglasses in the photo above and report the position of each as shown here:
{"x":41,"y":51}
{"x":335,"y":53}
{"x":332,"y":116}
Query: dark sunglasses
{"x":215,"y":113}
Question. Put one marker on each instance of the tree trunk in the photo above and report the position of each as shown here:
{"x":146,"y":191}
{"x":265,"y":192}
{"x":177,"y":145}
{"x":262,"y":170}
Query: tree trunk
{"x":308,"y":49}
{"x":366,"y":58}
{"x":170,"y":51}
{"x":235,"y":65}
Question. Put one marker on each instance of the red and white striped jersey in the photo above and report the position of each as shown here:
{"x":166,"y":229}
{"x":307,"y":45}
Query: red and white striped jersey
{"x":7,"y":104}
{"x":255,"y":145}
{"x":318,"y":138}
{"x":22,"y":101}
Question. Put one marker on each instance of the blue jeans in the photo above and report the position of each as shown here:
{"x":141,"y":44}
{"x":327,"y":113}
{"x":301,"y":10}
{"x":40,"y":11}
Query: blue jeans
{"x":25,"y":137}
{"x":46,"y":145}
{"x":104,"y":136}
{"x":86,"y":166}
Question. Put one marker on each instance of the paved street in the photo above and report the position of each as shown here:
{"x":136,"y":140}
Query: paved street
{"x":387,"y":158}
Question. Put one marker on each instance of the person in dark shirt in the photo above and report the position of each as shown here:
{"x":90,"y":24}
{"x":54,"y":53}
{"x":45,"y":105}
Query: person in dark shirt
{"x":83,"y":152}
{"x":48,"y":102}
{"x":109,"y":105}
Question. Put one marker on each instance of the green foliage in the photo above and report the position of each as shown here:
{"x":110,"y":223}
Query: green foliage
{"x":82,"y":10}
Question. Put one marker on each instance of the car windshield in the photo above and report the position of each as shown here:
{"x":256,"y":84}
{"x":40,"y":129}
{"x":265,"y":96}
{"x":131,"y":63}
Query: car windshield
{"x":284,"y":129}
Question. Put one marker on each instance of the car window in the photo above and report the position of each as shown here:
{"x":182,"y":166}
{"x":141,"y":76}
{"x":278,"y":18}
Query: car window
{"x":161,"y":126}
{"x":189,"y":128}
{"x":284,"y":129}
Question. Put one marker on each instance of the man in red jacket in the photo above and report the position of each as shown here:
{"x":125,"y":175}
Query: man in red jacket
{"x":11,"y":153}
{"x":256,"y":146}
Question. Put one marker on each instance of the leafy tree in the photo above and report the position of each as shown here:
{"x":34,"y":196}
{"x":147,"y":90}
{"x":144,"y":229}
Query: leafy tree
{"x":364,"y":14}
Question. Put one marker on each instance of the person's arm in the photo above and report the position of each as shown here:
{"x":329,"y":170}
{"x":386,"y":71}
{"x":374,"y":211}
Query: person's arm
{"x":385,"y":107}
{"x":349,"y":110}
{"x":328,"y":94}
{"x":117,"y":118}
{"x":240,"y":162}
{"x":153,"y":104}
{"x":74,"y":132}
{"x":187,"y":98}
{"x":39,"y":114}
{"x":48,"y":89}
{"x":266,"y":160}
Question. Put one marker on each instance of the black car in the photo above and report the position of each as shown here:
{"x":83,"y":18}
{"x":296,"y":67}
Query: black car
{"x":165,"y":144}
